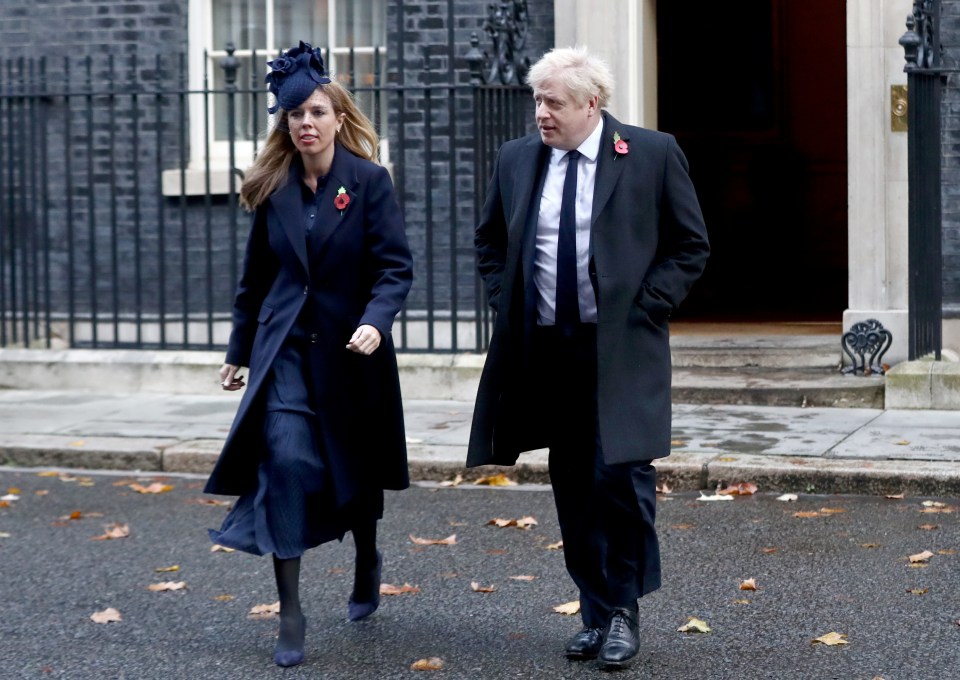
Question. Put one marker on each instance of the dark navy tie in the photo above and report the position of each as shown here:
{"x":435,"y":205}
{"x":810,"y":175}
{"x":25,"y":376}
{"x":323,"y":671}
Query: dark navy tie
{"x":568,"y":307}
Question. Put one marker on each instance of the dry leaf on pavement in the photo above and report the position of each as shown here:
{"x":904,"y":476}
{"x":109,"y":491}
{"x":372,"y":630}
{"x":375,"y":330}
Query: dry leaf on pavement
{"x":832,"y":511}
{"x":449,"y":540}
{"x":434,"y":663}
{"x":568,"y":608}
{"x":156,"y":487}
{"x":390,"y":589}
{"x":522,"y":577}
{"x":167,"y":585}
{"x":869,"y":545}
{"x":921,"y":557}
{"x":264,"y":611}
{"x":748,"y":584}
{"x":555,"y":546}
{"x":788,"y":497}
{"x":933,"y":504}
{"x":947,"y":551}
{"x":694,"y":625}
{"x":477,"y":588}
{"x":806,"y":513}
{"x":832,"y":639}
{"x":224,"y":598}
{"x":894,"y":496}
{"x":215,"y":502}
{"x":456,"y":481}
{"x":664,"y":489}
{"x":496,"y":480}
{"x":109,"y":615}
{"x":928,"y":527}
{"x":715,"y":497}
{"x":918,"y":591}
{"x":216,"y":547}
{"x":741,"y":489}
{"x":116,"y":530}
{"x":175,"y":567}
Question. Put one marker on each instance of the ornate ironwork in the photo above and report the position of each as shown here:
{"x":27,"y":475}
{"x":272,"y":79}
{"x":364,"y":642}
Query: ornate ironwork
{"x":507,"y":25}
{"x":866,"y":337}
{"x":921,"y":42}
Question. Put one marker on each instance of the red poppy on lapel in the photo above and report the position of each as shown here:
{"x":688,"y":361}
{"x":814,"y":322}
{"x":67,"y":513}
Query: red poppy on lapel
{"x":341,"y":200}
{"x":620,"y":146}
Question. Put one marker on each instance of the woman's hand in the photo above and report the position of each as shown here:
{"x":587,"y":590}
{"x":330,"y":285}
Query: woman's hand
{"x":365,"y":340}
{"x":229,"y":380}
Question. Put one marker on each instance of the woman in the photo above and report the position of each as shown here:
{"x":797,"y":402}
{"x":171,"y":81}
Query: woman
{"x":319,"y":432}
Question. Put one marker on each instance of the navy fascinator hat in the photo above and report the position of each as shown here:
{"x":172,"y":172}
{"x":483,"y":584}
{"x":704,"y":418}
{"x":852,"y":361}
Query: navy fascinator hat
{"x":294,"y":76}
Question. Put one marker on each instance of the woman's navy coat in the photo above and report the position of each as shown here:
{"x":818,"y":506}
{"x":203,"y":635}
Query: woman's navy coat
{"x":354,"y":268}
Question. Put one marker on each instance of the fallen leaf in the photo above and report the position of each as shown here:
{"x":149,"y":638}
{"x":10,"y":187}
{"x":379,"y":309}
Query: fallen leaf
{"x":725,"y":459}
{"x":160,"y":570}
{"x":918,"y":565}
{"x":715,"y":497}
{"x":459,"y":524}
{"x":86,"y":482}
{"x":806,"y":513}
{"x":933,"y":504}
{"x":902,"y":442}
{"x":869,"y":545}
{"x":4,"y":534}
{"x":156,"y":487}
{"x":13,"y":490}
{"x":434,"y":663}
{"x":918,"y":591}
{"x":788,"y":497}
{"x":499,"y":522}
{"x":109,"y":615}
{"x":937,"y":510}
{"x":894,"y":497}
{"x":741,"y":489}
{"x":496,"y":480}
{"x":497,"y":552}
{"x":216,"y":547}
{"x":676,"y":443}
{"x":947,"y":551}
{"x":224,"y":598}
{"x":123,"y":482}
{"x":682,"y":527}
{"x":264,"y":611}
{"x":112,"y":531}
{"x":212,"y":501}
{"x":928,"y":527}
{"x":832,"y":511}
{"x":568,"y":608}
{"x":523,"y":577}
{"x":663,"y":489}
{"x":449,"y":540}
{"x":167,"y":585}
{"x":526,"y":522}
{"x":456,"y":481}
{"x":75,"y":515}
{"x":78,"y":443}
{"x":4,"y":504}
{"x":694,"y":625}
{"x":48,"y":473}
{"x":921,"y":557}
{"x":555,"y":546}
{"x":832,"y":639}
{"x":477,"y":588}
{"x":390,"y":589}
{"x":10,"y":497}
{"x":741,"y":601}
{"x":41,"y":492}
{"x":769,"y":551}
{"x":748,"y":584}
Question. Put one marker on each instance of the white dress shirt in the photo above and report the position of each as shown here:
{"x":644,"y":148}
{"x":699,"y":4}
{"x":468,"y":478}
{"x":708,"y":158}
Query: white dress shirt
{"x":548,"y":231}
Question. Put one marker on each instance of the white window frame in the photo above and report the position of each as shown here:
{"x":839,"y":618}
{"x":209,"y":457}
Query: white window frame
{"x":199,"y":39}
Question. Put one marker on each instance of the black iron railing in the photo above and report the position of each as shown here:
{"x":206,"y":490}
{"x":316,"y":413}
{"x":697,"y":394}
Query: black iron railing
{"x":119,"y":224}
{"x":925,"y":75}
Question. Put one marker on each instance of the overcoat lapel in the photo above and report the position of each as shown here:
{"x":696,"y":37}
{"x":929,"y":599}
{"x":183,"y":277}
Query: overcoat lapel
{"x":343,"y":173}
{"x":529,"y":187}
{"x":286,"y":201}
{"x":608,"y":167}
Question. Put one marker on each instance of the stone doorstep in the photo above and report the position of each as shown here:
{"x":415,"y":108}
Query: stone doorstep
{"x":682,"y":471}
{"x":923,"y":384}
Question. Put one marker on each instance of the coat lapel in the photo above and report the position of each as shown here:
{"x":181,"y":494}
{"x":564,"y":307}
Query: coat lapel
{"x":343,"y":173}
{"x":288,"y":204}
{"x":529,"y":186}
{"x":608,"y":166}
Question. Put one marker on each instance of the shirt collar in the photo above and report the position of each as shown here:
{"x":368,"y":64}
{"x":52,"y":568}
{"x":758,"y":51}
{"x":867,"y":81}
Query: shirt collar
{"x":590,"y":147}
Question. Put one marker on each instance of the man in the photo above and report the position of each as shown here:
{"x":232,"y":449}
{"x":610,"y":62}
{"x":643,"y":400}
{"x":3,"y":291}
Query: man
{"x":590,"y":236}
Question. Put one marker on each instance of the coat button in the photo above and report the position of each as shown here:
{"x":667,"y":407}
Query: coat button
{"x":305,"y":289}
{"x":314,"y":338}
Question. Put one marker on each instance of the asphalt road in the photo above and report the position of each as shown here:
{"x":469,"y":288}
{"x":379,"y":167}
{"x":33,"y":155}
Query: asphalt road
{"x":847,"y":571}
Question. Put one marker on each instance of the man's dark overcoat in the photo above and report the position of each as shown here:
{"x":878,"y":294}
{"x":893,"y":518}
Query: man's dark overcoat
{"x":354,"y":268}
{"x":648,"y":244}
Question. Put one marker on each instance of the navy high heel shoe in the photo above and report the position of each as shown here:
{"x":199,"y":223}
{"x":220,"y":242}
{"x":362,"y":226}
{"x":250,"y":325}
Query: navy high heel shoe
{"x":357,"y":611}
{"x":291,"y":657}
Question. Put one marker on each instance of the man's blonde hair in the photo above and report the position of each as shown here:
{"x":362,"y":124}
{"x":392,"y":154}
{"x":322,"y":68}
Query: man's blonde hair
{"x":584,"y":74}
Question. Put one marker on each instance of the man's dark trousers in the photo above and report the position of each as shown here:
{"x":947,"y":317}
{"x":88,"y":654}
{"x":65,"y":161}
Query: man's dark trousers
{"x":606,"y":512}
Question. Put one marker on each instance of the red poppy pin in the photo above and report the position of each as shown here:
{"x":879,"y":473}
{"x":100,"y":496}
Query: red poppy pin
{"x":619,"y":146}
{"x":341,"y":200}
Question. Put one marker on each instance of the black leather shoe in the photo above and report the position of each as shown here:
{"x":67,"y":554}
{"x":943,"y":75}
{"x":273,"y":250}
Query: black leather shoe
{"x":621,"y":639}
{"x":585,"y":644}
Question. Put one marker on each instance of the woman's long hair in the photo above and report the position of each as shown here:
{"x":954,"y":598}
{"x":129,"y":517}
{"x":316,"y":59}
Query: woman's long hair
{"x":272,"y":166}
